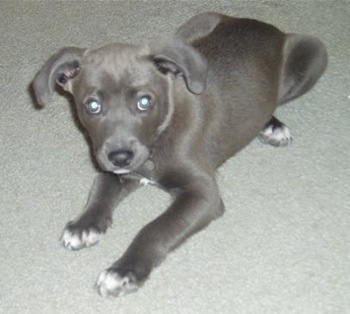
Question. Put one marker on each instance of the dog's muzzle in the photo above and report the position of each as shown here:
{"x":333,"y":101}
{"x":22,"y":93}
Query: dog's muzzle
{"x":122,"y":159}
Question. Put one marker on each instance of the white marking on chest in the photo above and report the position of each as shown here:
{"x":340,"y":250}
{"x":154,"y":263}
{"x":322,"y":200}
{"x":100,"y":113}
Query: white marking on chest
{"x":145,"y":181}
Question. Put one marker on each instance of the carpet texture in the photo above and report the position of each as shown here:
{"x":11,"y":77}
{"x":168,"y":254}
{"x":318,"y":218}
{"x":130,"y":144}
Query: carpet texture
{"x":282,"y":245}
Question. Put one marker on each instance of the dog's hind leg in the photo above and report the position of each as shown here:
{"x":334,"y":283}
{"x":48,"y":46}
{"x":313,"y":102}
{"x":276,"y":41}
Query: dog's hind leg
{"x":107,"y":192}
{"x":304,"y":61}
{"x":275,"y":133}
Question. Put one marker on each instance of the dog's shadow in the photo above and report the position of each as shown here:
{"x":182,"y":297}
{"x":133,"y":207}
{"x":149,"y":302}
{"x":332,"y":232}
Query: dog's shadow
{"x":74,"y":113}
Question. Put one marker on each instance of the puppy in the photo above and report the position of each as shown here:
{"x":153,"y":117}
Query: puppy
{"x":170,"y":113}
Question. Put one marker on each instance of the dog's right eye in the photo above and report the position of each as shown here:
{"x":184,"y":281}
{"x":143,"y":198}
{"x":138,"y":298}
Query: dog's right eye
{"x":94,"y":106}
{"x":144,"y":103}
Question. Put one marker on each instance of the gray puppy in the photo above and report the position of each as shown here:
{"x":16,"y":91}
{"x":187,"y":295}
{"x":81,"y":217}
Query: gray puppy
{"x":171,"y":112}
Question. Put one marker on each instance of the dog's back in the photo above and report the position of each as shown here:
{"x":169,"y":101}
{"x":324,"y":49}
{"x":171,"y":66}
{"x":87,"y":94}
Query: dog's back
{"x":244,"y":59}
{"x":252,"y":70}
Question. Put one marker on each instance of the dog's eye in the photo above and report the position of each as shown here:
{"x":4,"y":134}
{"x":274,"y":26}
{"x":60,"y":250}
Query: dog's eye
{"x":144,"y":103}
{"x":94,"y":106}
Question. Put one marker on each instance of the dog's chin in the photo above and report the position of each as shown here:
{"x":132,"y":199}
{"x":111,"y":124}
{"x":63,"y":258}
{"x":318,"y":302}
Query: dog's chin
{"x":133,"y":167}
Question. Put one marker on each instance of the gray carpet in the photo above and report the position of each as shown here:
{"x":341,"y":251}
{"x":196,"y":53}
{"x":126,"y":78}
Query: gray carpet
{"x":281,"y":247}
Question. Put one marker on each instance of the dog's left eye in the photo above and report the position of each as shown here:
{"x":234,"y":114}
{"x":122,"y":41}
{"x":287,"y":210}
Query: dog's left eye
{"x":144,"y":103}
{"x":94,"y":106}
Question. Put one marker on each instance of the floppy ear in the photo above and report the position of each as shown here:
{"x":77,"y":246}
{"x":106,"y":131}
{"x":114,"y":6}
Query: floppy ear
{"x":178,"y":58}
{"x":61,"y":68}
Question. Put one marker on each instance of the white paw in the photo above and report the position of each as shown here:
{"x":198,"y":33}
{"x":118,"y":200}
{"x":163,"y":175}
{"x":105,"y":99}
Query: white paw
{"x":276,"y":136}
{"x":78,"y":240}
{"x":110,"y":283}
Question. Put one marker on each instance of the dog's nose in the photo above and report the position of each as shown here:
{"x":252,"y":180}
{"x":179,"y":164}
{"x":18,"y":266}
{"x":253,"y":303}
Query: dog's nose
{"x":121,"y":158}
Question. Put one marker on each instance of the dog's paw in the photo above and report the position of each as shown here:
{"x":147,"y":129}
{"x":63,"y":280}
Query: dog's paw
{"x":74,"y":238}
{"x":277,"y":136}
{"x":112,"y":284}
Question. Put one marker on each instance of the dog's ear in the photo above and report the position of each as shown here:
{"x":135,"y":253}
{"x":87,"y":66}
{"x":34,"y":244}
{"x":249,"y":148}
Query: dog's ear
{"x":179,"y":58}
{"x":60,"y":69}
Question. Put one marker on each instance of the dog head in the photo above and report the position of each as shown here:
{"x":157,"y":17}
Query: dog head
{"x":123,"y":94}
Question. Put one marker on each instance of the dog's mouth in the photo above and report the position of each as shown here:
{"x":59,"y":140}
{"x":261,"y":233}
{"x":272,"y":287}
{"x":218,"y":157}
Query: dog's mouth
{"x":121,"y":171}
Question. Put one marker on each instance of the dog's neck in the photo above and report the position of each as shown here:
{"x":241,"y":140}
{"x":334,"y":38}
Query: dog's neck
{"x":147,"y":170}
{"x":145,"y":174}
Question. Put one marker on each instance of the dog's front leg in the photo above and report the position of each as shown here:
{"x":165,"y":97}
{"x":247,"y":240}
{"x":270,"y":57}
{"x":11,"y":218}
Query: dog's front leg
{"x":106,"y":193}
{"x":193,"y":209}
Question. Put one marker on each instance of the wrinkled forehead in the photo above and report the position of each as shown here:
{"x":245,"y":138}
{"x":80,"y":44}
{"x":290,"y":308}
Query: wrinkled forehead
{"x":118,"y":65}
